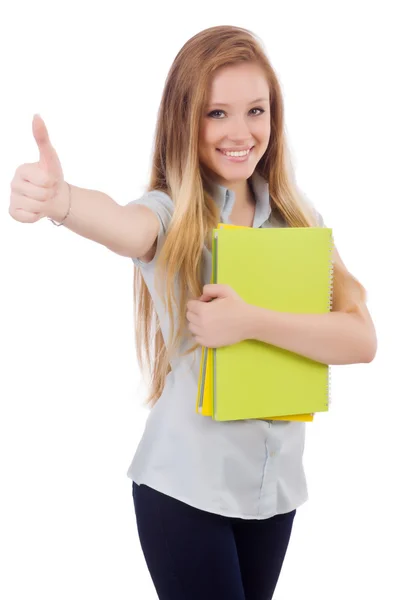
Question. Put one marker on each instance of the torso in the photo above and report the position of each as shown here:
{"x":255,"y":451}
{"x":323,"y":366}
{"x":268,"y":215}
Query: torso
{"x":251,"y":469}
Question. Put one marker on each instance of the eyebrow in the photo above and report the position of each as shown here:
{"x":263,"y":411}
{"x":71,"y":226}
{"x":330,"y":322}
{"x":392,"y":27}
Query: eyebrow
{"x":253,"y":102}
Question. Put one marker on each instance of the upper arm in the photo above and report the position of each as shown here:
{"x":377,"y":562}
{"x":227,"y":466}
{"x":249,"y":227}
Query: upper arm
{"x":156,"y":209}
{"x":360,"y":310}
{"x":141,"y":243}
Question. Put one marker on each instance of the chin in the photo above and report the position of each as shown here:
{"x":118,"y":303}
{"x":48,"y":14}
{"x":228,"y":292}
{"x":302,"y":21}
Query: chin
{"x":235,"y":172}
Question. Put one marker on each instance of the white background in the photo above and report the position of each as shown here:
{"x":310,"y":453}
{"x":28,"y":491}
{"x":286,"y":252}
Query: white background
{"x":71,"y":393}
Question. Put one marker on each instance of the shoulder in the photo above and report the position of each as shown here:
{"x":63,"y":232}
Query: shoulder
{"x":314,"y":213}
{"x":156,"y":200}
{"x":277,"y":219}
{"x":161,"y":205}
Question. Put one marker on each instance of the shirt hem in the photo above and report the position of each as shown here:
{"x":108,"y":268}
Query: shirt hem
{"x":218,"y":510}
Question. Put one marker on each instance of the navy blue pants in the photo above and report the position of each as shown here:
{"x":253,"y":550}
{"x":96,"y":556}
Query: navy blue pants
{"x":193,"y":554}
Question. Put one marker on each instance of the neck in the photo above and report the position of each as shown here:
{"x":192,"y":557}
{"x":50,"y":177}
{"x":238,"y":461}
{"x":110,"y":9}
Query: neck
{"x":242,"y":192}
{"x":241,"y":188}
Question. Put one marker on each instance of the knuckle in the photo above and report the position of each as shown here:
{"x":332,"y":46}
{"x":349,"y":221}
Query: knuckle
{"x":49,"y":182}
{"x":23,"y":172}
{"x":48,"y":195}
{"x":46,"y":180}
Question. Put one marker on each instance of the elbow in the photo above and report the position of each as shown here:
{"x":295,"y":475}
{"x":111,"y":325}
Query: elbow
{"x":371,"y":348}
{"x":366,"y":340}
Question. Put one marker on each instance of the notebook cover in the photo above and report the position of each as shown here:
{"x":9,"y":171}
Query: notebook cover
{"x":285,"y":269}
{"x":204,"y":403}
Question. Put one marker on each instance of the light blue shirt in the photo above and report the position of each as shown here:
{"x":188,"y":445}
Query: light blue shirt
{"x":250,"y":469}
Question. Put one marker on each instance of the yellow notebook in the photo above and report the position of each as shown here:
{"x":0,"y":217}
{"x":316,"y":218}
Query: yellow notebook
{"x":283,"y":269}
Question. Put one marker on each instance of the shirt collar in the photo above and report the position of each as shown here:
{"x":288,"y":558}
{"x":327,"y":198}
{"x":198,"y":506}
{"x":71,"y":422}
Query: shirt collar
{"x":225,"y":198}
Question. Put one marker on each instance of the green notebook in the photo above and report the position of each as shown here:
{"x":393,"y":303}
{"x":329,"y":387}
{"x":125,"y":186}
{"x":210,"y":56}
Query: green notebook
{"x":282,"y":269}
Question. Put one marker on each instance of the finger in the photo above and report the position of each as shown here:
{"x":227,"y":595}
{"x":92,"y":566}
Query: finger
{"x":25,"y":216}
{"x":192,"y":317}
{"x":194,"y":328}
{"x":193,"y":306}
{"x":215,"y":290}
{"x":34,"y":174}
{"x":205,"y":298}
{"x":19,"y":202}
{"x":25,"y":188}
{"x":48,"y":160}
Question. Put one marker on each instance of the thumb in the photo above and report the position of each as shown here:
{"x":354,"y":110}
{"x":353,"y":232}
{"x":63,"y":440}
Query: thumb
{"x":48,"y":160}
{"x":215,"y":290}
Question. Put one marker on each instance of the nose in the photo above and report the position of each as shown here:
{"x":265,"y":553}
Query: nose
{"x":239,"y":130}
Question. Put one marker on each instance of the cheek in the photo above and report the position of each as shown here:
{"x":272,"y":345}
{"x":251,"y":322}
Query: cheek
{"x":261,"y":131}
{"x":208,"y":143}
{"x":209,"y":135}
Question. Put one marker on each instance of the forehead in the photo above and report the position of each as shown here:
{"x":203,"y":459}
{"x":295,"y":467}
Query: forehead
{"x":237,"y":84}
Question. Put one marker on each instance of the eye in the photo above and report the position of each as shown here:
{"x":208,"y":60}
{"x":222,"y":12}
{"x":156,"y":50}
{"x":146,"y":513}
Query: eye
{"x":260,"y":109}
{"x":213,"y":113}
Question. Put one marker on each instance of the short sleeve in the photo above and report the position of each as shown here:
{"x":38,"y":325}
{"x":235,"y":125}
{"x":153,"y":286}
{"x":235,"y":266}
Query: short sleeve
{"x":162,"y":206}
{"x":320,"y":220}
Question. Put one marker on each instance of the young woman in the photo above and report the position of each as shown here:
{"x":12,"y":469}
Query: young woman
{"x":215,"y":502}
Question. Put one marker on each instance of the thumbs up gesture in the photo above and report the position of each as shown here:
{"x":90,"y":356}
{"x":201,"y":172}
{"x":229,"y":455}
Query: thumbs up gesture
{"x":38,"y":189}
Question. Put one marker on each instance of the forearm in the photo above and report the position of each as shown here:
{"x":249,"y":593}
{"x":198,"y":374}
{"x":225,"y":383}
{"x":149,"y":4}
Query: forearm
{"x":334,"y":338}
{"x":93,"y":215}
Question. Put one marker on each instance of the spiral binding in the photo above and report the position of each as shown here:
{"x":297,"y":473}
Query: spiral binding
{"x":330,"y":299}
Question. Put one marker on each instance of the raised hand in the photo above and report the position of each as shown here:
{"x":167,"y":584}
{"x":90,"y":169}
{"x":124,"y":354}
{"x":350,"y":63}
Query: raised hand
{"x":38,"y":189}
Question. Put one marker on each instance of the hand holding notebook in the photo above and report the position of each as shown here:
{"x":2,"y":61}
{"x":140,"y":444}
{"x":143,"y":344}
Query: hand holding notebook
{"x":218,"y":317}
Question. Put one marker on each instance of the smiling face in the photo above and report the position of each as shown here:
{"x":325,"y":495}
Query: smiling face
{"x":236,"y":119}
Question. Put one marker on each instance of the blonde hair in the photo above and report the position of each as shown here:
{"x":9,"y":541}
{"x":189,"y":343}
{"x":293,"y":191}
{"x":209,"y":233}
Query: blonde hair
{"x":176,"y":171}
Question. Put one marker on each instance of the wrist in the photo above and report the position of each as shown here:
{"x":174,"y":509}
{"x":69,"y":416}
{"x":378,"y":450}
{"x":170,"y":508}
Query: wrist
{"x":249,"y":322}
{"x":59,"y":206}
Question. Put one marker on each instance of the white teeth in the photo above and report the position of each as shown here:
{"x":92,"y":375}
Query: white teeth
{"x":242,"y":153}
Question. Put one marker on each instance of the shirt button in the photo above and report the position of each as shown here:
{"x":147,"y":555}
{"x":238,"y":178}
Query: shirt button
{"x":272,"y":454}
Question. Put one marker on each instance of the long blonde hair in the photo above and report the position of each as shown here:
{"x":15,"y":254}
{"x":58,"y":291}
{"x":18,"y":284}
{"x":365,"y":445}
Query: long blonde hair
{"x":176,"y":171}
